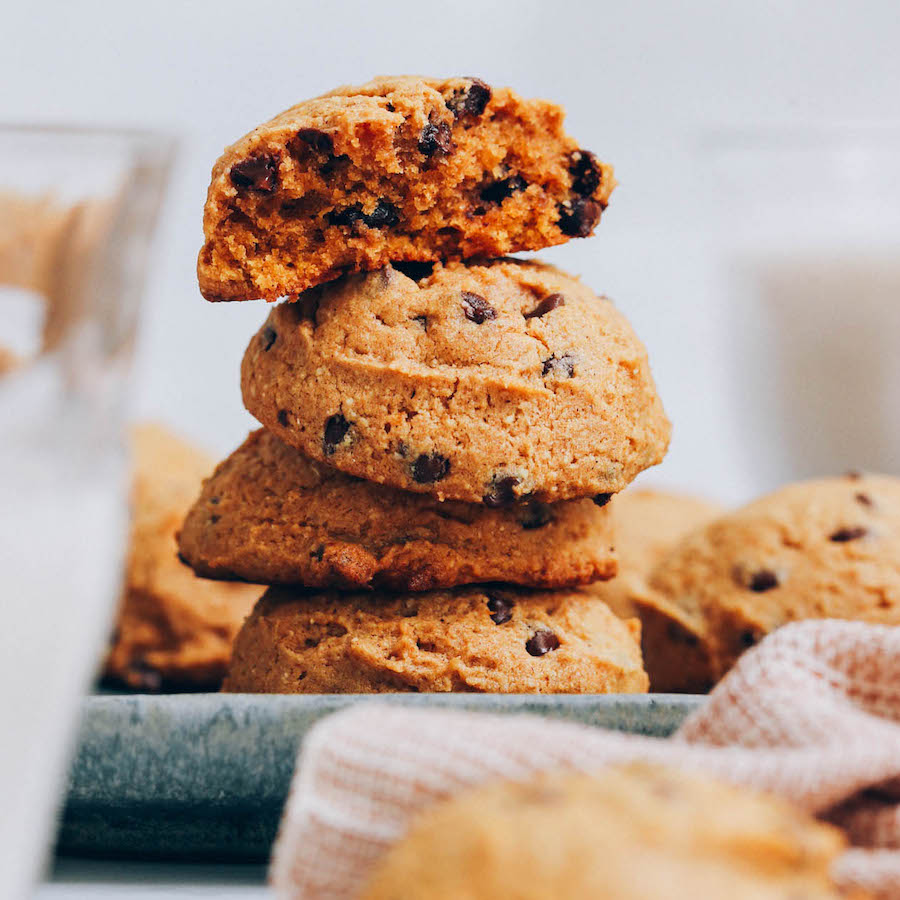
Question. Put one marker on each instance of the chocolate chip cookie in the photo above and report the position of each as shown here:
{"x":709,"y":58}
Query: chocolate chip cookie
{"x":827,"y":549}
{"x":173,"y":630}
{"x":270,"y":515}
{"x":400,"y":168}
{"x":490,"y":383}
{"x":491,"y":639}
{"x":647,"y":524}
{"x":635,"y":832}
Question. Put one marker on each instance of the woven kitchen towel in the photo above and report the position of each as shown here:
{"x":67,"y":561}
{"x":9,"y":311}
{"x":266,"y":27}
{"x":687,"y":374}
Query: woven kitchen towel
{"x":812,"y":714}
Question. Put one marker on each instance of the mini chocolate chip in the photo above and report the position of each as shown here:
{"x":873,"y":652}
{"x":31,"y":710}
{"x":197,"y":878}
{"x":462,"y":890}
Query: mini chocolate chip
{"x":215,"y":500}
{"x":586,"y":172}
{"x":477,"y":309}
{"x":336,"y":428}
{"x":383,"y":216}
{"x":143,"y":676}
{"x":542,"y":642}
{"x":268,"y":337}
{"x":335,"y":629}
{"x":283,"y":417}
{"x":422,"y":320}
{"x":311,"y":642}
{"x":502,"y":491}
{"x":318,"y":140}
{"x":435,"y":138}
{"x":579,"y":217}
{"x":430,"y":467}
{"x":498,"y":191}
{"x":536,"y":515}
{"x":749,"y":638}
{"x":390,"y":106}
{"x":500,"y":609}
{"x":349,"y":215}
{"x":418,"y":271}
{"x":471,"y":100}
{"x":602,"y":499}
{"x":562,"y":365}
{"x":318,"y":553}
{"x":762,"y":581}
{"x":864,"y":499}
{"x":183,"y":559}
{"x":213,"y":519}
{"x":548,"y":304}
{"x":426,"y":646}
{"x":332,"y":163}
{"x":258,"y":173}
{"x":842,"y":535}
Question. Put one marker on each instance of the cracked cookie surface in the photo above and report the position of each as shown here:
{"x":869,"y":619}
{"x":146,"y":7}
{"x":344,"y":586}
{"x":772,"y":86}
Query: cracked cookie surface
{"x":401,"y":168}
{"x":491,"y":382}
{"x":827,"y":549}
{"x":485,"y":639}
{"x":270,"y":515}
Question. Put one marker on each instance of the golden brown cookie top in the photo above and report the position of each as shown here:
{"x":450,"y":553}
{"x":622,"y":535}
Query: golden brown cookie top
{"x":268,"y":514}
{"x":493,"y":638}
{"x":490,"y":381}
{"x":818,"y":549}
{"x":636,"y":832}
{"x":401,"y":168}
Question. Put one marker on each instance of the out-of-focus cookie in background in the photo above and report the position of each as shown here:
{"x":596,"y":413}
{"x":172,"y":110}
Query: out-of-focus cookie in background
{"x":173,"y":630}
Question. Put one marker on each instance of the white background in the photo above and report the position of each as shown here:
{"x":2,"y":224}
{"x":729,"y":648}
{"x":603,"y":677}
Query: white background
{"x":642,"y":82}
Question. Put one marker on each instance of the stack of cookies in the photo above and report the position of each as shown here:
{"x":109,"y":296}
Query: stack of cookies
{"x":443,"y":427}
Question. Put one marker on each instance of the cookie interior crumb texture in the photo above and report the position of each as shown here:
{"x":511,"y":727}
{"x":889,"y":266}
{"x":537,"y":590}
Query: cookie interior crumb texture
{"x":493,"y":639}
{"x":637,"y":832}
{"x":401,"y":168}
{"x":813,"y":550}
{"x":268,"y":514}
{"x":492,"y":383}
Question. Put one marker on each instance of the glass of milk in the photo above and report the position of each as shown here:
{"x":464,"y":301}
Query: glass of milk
{"x":77,"y":210}
{"x":806,"y":241}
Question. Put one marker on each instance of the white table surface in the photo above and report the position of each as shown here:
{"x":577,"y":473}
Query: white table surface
{"x":76,"y":879}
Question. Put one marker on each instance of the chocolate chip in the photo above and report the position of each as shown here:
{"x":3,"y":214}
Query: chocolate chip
{"x":268,"y":337}
{"x":435,"y":138}
{"x":562,"y":365}
{"x":422,"y":320}
{"x":498,"y":191}
{"x":332,"y":163}
{"x":602,"y":499}
{"x":349,"y":215}
{"x":418,"y":271}
{"x":548,"y":304}
{"x":542,"y":642}
{"x":318,"y":140}
{"x":335,"y":629}
{"x":477,"y":309}
{"x":502,"y":491}
{"x":471,"y":100}
{"x":283,"y":418}
{"x":430,"y":467}
{"x":426,"y":646}
{"x":213,"y":519}
{"x":762,"y":581}
{"x":258,"y":173}
{"x":142,"y":676}
{"x":586,"y":172}
{"x":183,"y":559}
{"x":336,"y":428}
{"x":318,"y":553}
{"x":843,"y":535}
{"x":215,"y":500}
{"x":749,"y":638}
{"x":864,"y":499}
{"x":536,"y":515}
{"x":383,"y":216}
{"x":500,"y":609}
{"x":578,"y":218}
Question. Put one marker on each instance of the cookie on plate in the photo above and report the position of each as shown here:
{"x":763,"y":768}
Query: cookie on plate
{"x":634,"y":832}
{"x":647,"y":523}
{"x":813,"y":550}
{"x":173,"y":630}
{"x":492,"y":382}
{"x":491,"y":639}
{"x":398,"y":169}
{"x":270,"y":515}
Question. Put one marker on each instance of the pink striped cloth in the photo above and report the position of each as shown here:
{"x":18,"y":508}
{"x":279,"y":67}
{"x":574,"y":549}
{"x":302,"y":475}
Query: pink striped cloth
{"x":812,"y":714}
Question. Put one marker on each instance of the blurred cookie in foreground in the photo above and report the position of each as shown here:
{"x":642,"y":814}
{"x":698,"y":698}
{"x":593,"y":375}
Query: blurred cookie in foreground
{"x":637,"y":832}
{"x":173,"y":629}
{"x":827,"y":549}
{"x":270,"y":515}
{"x":8,"y":361}
{"x":485,"y":639}
{"x":647,"y":523}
